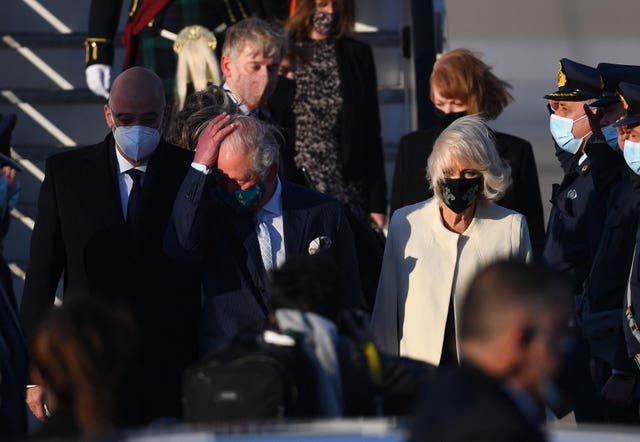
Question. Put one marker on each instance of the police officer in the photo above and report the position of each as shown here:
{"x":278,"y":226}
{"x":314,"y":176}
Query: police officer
{"x":575,"y":222}
{"x":621,"y":387}
{"x":601,"y":307}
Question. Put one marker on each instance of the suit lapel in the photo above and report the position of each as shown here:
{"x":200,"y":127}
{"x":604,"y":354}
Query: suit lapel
{"x":156,"y":187}
{"x":294,"y":223}
{"x":250,"y":260}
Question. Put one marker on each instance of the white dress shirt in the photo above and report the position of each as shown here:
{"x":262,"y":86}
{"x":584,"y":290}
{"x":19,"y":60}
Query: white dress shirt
{"x":125,"y":182}
{"x":244,"y":110}
{"x":271,"y":215}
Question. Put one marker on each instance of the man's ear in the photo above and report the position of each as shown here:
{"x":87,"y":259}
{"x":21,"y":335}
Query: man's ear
{"x":108,"y":117}
{"x":225,"y":66}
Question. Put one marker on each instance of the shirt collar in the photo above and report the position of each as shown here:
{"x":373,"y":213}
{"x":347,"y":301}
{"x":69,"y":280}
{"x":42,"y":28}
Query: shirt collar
{"x":241,"y":106}
{"x":124,"y":165}
{"x":273,"y":207}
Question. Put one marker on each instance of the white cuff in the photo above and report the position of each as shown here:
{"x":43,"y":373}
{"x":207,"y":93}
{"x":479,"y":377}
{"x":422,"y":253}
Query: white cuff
{"x":201,"y":168}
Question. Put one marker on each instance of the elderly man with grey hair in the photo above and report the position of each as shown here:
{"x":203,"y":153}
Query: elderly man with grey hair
{"x":237,"y":220}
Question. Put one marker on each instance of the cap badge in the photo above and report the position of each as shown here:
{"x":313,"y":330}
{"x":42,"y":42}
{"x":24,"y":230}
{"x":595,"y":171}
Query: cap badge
{"x":562,"y":78}
{"x":624,"y":102}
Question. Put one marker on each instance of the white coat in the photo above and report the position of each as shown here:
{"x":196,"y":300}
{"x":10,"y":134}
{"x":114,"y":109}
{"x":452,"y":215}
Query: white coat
{"x":425,"y":264}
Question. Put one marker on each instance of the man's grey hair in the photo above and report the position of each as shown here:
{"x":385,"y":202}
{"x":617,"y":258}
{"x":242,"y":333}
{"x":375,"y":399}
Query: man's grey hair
{"x":469,"y":140}
{"x":256,"y":137}
{"x":266,"y":38}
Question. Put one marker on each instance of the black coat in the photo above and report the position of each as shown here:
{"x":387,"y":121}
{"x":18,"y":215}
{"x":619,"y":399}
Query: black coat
{"x":80,"y":230}
{"x":410,"y":183}
{"x":464,"y":404}
{"x":576,"y":220}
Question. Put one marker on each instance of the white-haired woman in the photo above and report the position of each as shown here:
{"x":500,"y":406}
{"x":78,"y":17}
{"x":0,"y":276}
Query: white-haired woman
{"x":435,"y":247}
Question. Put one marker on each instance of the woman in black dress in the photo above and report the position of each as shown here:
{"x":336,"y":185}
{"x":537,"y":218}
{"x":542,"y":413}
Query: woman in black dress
{"x":337,"y":145}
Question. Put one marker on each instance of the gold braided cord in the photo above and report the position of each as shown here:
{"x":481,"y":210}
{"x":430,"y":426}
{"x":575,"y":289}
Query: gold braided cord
{"x":230,"y":13}
{"x":134,"y":7}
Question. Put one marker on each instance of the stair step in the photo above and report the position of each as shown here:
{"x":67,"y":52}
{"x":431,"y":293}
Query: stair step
{"x":55,"y":96}
{"x":74,"y":40}
{"x":37,"y":96}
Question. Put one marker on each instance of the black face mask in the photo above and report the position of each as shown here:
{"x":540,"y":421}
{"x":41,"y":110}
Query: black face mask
{"x":446,"y":119}
{"x":460,"y":193}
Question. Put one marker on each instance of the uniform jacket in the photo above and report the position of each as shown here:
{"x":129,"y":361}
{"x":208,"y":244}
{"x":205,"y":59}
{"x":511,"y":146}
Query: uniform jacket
{"x":464,"y":404}
{"x":410,"y":184}
{"x":425,"y":264}
{"x":605,"y":287}
{"x":575,"y":222}
{"x":224,"y":245}
{"x":80,"y":231}
{"x":633,"y":292}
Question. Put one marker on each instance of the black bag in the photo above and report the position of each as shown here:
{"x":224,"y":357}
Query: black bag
{"x":248,"y":379}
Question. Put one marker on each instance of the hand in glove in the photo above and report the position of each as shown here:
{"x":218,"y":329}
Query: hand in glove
{"x":99,"y":79}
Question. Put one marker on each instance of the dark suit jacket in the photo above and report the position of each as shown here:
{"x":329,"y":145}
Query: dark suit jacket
{"x":13,"y":362}
{"x":360,"y":137}
{"x":463,"y":404}
{"x":226,"y":247}
{"x":80,"y":230}
{"x":410,"y":183}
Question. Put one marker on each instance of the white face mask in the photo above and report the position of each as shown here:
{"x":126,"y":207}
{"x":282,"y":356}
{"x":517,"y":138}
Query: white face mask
{"x":136,"y":142}
{"x":562,"y":132}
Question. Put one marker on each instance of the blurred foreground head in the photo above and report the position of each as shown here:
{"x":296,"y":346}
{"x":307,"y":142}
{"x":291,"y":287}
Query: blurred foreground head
{"x":81,"y":354}
{"x":514,"y":321}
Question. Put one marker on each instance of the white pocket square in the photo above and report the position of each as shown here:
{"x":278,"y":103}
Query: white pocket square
{"x":320,"y":244}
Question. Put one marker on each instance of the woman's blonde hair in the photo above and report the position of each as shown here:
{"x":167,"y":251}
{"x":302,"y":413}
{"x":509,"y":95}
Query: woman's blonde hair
{"x":460,"y":74}
{"x":469,"y":140}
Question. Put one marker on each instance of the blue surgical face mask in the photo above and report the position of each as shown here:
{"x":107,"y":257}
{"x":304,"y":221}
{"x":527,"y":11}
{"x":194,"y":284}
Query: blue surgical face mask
{"x":562,"y":132}
{"x":632,"y":155}
{"x":243,"y":200}
{"x":610,"y":133}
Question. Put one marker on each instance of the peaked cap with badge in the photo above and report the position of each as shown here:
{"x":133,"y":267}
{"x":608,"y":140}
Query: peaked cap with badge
{"x":611,"y":75}
{"x":576,"y":82}
{"x":630,"y":96}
